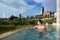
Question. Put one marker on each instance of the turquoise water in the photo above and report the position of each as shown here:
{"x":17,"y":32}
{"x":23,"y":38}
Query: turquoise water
{"x":32,"y":34}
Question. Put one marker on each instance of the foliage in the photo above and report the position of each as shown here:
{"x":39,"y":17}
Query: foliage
{"x":6,"y":28}
{"x":9,"y":24}
{"x":49,"y":21}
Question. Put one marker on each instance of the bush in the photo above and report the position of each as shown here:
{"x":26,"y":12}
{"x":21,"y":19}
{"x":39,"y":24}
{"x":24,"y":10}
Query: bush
{"x":33,"y":22}
{"x":6,"y":28}
{"x":49,"y":21}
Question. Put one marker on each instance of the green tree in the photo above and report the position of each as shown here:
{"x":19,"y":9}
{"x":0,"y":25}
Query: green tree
{"x":13,"y":17}
{"x":20,"y":16}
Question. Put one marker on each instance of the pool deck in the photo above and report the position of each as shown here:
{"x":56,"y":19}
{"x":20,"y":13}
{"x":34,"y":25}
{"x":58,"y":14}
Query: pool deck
{"x":10,"y":33}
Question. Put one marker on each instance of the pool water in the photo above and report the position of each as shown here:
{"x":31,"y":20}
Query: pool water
{"x":32,"y":34}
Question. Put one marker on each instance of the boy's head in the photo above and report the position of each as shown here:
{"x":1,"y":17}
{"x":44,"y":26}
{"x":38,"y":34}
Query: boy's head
{"x":39,"y":22}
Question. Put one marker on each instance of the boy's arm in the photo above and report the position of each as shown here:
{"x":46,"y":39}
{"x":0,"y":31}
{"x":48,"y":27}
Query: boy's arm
{"x":35,"y":27}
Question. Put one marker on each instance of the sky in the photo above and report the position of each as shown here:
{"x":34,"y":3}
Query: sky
{"x":25,"y":7}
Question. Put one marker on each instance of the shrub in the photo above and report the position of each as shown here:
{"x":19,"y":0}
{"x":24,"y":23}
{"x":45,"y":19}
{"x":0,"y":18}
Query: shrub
{"x":6,"y":28}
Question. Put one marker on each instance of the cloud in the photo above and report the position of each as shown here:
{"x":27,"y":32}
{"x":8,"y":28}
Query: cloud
{"x":3,"y":15}
{"x":40,"y":1}
{"x":48,"y":4}
{"x":39,"y":12}
{"x":2,"y":5}
{"x":14,"y":7}
{"x":15,"y":3}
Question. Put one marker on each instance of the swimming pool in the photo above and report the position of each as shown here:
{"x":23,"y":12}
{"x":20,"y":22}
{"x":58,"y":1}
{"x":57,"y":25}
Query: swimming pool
{"x":32,"y":34}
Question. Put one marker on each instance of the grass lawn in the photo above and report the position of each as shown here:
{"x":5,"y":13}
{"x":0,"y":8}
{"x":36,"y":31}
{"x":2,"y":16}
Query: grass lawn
{"x":7,"y":28}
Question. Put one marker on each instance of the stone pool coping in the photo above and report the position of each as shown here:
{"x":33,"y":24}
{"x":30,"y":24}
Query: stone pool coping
{"x":11,"y":32}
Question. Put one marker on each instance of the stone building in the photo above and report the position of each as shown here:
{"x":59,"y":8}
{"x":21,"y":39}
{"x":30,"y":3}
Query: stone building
{"x":47,"y":14}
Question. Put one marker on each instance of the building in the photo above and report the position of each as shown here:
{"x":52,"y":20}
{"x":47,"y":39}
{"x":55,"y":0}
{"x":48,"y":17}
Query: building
{"x":47,"y":14}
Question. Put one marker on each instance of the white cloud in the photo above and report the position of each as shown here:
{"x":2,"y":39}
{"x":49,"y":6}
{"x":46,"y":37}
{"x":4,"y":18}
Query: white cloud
{"x":23,"y":4}
{"x":3,"y":15}
{"x":7,"y":7}
{"x":20,"y":2}
{"x":2,"y":5}
{"x":38,"y":1}
{"x":48,"y":4}
{"x":39,"y":12}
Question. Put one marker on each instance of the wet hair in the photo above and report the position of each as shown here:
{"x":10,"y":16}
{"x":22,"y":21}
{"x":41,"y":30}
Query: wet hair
{"x":40,"y":21}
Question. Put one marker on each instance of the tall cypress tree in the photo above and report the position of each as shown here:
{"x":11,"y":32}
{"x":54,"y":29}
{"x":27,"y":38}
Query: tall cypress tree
{"x":42,"y":10}
{"x":20,"y":17}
